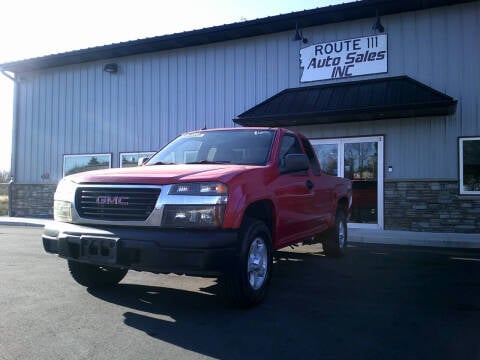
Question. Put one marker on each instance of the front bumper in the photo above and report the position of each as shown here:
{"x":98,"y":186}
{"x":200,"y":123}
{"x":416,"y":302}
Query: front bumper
{"x":202,"y":252}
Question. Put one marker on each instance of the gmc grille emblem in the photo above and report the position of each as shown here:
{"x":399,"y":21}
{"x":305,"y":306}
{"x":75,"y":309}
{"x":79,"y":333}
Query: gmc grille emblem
{"x":112,"y":200}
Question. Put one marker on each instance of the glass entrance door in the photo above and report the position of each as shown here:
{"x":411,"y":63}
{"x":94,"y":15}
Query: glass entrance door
{"x":360,"y":160}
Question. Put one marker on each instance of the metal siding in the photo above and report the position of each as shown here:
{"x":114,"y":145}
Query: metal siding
{"x":155,"y":116}
{"x":152,"y":98}
{"x":33,"y":136}
{"x":55,"y":146}
{"x":164,"y":96}
{"x":23,"y":148}
{"x":250,"y":78}
{"x":436,"y":47}
{"x":239,"y":79}
{"x":50,"y":128}
{"x":470,"y":24}
{"x":283,"y":61}
{"x":39,"y":135}
{"x":57,"y":163}
{"x":228,"y":96}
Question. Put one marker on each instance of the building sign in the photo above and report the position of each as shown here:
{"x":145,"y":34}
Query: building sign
{"x":344,"y":58}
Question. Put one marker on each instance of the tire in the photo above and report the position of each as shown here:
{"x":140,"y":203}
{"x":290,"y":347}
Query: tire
{"x":335,"y":244}
{"x":246,"y":284}
{"x":94,"y":276}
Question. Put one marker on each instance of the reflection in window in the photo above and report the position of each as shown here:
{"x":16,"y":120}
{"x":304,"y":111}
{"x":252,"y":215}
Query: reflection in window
{"x":131,"y":159}
{"x":73,"y":164}
{"x":327,"y":155}
{"x":361,"y":160}
{"x":311,"y":157}
{"x":361,"y":166}
{"x":469,"y":165}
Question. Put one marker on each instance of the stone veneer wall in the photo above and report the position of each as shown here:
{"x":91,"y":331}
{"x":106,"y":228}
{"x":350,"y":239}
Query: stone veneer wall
{"x":434,"y":206}
{"x":32,"y":200}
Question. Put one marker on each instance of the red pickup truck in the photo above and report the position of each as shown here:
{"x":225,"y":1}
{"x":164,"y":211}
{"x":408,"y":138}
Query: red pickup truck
{"x":210,"y":203}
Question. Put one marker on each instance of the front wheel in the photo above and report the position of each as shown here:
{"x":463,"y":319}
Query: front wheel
{"x":94,"y":276}
{"x":246,"y":284}
{"x":335,"y":244}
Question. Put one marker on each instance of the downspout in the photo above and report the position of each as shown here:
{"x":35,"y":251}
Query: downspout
{"x":14,"y":145}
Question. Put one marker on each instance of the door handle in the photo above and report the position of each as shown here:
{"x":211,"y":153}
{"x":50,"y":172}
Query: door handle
{"x":309,"y":184}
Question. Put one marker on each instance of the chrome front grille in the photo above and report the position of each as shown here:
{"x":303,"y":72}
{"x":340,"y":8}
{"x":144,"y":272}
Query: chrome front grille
{"x":116,"y":203}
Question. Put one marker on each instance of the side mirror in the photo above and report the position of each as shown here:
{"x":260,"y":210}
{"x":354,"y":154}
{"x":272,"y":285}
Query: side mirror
{"x":294,"y":163}
{"x":142,"y":160}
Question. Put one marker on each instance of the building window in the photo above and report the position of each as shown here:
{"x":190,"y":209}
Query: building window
{"x":73,"y":164}
{"x":469,"y":150}
{"x":131,"y":159}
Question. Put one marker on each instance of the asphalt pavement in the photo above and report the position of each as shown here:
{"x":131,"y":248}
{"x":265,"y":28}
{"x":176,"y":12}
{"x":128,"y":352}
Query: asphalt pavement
{"x":377,"y":302}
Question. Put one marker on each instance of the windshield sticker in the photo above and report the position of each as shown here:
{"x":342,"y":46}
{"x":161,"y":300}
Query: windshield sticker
{"x":194,"y":135}
{"x":261,"y":132}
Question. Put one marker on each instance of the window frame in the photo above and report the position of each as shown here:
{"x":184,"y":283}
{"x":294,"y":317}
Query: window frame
{"x":461,"y":141}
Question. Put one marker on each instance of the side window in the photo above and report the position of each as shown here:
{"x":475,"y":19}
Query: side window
{"x":289,"y":145}
{"x":311,"y":157}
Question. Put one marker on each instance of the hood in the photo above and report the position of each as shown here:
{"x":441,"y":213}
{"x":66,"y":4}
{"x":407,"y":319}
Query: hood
{"x":161,"y":174}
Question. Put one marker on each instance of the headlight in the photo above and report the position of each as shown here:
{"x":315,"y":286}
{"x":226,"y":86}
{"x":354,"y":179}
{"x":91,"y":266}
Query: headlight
{"x":193,"y":216}
{"x":62,"y":211}
{"x":65,"y":190}
{"x":201,"y":206}
{"x":205,"y":189}
{"x":63,"y":200}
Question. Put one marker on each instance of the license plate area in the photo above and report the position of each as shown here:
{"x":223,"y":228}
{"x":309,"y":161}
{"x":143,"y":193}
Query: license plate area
{"x":99,"y":249}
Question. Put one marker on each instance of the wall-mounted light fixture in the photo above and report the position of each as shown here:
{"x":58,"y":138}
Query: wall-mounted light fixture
{"x":377,"y":26}
{"x":111,"y":68}
{"x":299,"y":35}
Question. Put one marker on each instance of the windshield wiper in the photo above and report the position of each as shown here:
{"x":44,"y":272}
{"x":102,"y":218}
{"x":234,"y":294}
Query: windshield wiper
{"x":208,"y":162}
{"x":162,"y":163}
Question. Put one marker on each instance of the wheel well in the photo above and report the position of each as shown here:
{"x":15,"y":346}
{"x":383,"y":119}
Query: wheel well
{"x":261,"y":210}
{"x":343,"y":205}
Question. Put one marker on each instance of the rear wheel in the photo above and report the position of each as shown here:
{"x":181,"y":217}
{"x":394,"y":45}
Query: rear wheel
{"x":94,"y":276}
{"x":246,"y":284}
{"x":335,"y":244}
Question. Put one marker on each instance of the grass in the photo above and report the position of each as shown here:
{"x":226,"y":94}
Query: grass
{"x":3,"y":205}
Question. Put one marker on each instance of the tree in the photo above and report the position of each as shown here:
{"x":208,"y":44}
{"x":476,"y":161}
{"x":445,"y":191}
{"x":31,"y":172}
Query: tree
{"x":4,"y":176}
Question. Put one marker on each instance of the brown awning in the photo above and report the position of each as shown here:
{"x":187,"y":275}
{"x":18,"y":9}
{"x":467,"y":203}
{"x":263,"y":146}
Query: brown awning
{"x":384,"y":98}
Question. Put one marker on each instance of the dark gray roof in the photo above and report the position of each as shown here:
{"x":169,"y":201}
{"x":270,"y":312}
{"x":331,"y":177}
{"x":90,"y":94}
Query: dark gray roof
{"x":384,"y":98}
{"x":268,"y":25}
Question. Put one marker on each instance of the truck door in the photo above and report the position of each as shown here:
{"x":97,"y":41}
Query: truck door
{"x":294,"y":195}
{"x":323,"y":205}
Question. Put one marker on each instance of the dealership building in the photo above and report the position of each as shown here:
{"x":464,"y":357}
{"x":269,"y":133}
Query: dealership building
{"x":388,"y":92}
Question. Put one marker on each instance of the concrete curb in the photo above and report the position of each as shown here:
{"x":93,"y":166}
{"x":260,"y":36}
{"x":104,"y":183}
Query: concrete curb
{"x":410,"y":238}
{"x":16,"y":221}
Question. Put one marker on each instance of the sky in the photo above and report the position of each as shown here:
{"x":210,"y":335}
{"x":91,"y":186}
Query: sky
{"x":33,"y":28}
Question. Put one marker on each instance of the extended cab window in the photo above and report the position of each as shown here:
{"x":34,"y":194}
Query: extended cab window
{"x":311,"y":157}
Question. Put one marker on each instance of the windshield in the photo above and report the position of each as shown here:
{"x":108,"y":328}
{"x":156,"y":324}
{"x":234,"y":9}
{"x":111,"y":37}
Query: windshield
{"x":243,"y":147}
